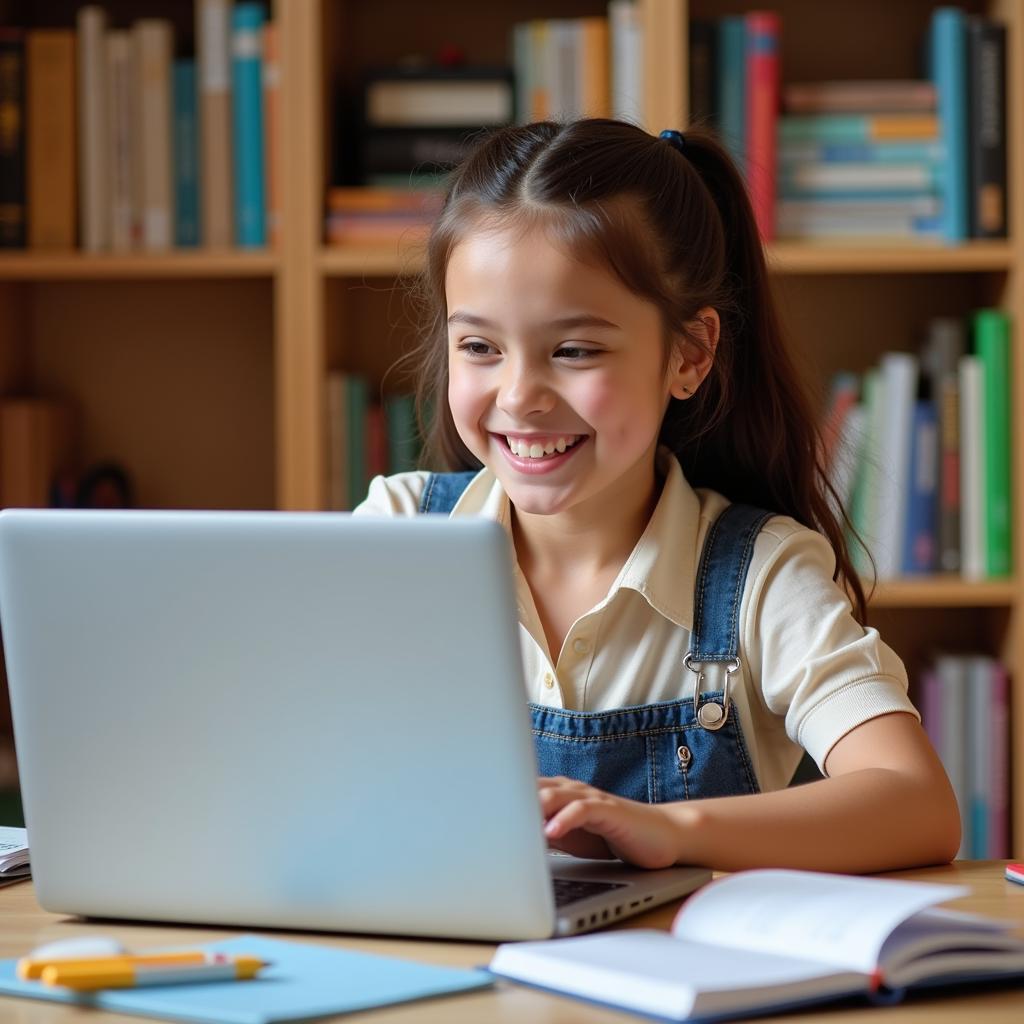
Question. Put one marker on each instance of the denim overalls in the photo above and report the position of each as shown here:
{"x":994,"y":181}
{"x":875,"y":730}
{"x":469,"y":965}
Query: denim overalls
{"x":672,"y":750}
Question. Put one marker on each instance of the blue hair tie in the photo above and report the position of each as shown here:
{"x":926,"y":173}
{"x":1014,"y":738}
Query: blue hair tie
{"x":675,"y":139}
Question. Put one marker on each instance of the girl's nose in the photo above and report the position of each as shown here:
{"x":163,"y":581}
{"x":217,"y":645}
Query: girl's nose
{"x":523,"y":391}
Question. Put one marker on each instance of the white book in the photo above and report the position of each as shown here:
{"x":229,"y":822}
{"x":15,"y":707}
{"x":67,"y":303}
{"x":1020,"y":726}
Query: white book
{"x":560,"y":56}
{"x":121,"y":117}
{"x":14,"y":856}
{"x":848,"y":452}
{"x":972,"y":470}
{"x":899,"y":375}
{"x":627,"y":61}
{"x":153,"y":56}
{"x":93,"y":172}
{"x":860,"y":177}
{"x":763,"y":940}
{"x":951,"y":672}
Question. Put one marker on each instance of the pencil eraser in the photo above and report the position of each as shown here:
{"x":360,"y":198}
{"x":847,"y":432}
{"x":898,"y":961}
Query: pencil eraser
{"x":1015,"y":873}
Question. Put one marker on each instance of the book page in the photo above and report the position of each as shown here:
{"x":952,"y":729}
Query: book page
{"x":833,"y":919}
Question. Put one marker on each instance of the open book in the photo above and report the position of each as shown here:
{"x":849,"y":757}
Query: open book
{"x":764,"y":940}
{"x":13,"y":854}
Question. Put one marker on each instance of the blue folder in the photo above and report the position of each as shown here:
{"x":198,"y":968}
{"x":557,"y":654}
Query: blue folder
{"x":305,"y":981}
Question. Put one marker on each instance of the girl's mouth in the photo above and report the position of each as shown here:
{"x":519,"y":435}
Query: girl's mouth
{"x":541,"y":454}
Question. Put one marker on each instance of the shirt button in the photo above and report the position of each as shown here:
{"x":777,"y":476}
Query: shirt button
{"x":580,"y":646}
{"x":549,"y":680}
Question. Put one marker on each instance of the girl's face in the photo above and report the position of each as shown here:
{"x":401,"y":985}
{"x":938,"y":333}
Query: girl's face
{"x":556,"y":380}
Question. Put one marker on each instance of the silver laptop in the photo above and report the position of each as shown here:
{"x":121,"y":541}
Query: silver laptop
{"x":280,"y":720}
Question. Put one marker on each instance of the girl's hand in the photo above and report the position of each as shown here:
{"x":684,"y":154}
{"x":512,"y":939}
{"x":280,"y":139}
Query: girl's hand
{"x":588,"y":822}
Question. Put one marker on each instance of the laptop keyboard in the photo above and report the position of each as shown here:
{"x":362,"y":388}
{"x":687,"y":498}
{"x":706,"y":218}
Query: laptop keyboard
{"x":568,"y":890}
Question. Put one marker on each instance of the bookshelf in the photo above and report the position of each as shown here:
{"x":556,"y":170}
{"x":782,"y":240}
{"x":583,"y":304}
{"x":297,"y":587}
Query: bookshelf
{"x":205,"y":371}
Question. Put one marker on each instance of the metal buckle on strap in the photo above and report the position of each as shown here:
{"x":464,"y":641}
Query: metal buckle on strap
{"x":711,"y":715}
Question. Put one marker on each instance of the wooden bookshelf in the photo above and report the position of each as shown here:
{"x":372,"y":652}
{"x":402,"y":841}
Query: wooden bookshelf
{"x":243,"y":423}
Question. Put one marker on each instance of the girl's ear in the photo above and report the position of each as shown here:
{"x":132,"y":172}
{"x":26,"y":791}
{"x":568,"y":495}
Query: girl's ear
{"x":692,"y":360}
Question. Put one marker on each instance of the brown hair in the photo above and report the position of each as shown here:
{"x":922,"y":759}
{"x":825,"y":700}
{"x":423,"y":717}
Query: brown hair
{"x":607,"y":190}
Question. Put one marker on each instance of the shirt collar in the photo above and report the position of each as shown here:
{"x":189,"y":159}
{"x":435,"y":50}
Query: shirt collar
{"x":662,"y":566}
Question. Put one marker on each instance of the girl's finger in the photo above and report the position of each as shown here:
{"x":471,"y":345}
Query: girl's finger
{"x":588,"y":813}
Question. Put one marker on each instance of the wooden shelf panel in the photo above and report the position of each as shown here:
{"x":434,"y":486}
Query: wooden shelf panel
{"x":49,"y":266}
{"x":876,"y":258}
{"x":944,"y":592}
{"x":406,"y":257}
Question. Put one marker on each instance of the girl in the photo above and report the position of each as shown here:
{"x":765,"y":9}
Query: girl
{"x":612,"y":386}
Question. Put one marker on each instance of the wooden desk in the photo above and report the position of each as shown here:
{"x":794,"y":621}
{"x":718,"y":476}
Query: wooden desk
{"x":25,"y":926}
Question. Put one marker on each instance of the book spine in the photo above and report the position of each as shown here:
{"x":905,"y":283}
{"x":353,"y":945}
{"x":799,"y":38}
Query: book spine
{"x":336,"y":409}
{"x":213,"y":67}
{"x":593,"y":86}
{"x":858,"y":128}
{"x":376,"y":441}
{"x":541,"y":99}
{"x":403,"y":436}
{"x":972,"y":470}
{"x":732,"y":86}
{"x":186,"y":155}
{"x":992,"y":344}
{"x":121,"y":118}
{"x":560,"y":70}
{"x":50,"y":123}
{"x":272,"y":128}
{"x":522,"y":63}
{"x":703,"y":98}
{"x":949,"y":474}
{"x":865,"y":489}
{"x":246,"y":80}
{"x":979,"y":763}
{"x":356,"y":405}
{"x":861,"y":152}
{"x":816,"y":178}
{"x":13,"y":215}
{"x":986,"y":46}
{"x":919,"y":535}
{"x":627,"y":45}
{"x":949,"y":68}
{"x":153,"y":46}
{"x":952,"y":675}
{"x":999,"y":751}
{"x":762,"y":116}
{"x":93,"y":171}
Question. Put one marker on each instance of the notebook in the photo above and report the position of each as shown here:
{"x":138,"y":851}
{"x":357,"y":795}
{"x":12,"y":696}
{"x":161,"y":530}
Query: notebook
{"x":279,"y":720}
{"x":304,"y":981}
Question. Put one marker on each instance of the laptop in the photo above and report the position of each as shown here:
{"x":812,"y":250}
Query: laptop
{"x":280,"y":720}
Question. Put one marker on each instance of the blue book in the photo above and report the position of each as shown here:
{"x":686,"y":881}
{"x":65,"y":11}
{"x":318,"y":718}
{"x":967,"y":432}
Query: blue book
{"x":863,"y":152}
{"x":304,"y":981}
{"x":247,"y":122}
{"x":186,"y":154}
{"x":920,"y":536}
{"x":732,"y":86}
{"x":947,"y":45}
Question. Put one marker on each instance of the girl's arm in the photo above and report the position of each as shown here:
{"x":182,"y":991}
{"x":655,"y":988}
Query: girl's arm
{"x":886,"y":804}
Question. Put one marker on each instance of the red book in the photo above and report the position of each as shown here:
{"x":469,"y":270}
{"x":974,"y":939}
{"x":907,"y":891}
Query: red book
{"x":762,"y":115}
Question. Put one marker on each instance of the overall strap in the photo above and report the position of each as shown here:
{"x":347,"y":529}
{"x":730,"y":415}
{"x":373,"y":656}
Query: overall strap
{"x":443,"y":490}
{"x":724,"y":562}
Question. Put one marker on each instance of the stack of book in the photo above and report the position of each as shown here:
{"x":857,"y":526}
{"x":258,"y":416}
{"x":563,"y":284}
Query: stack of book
{"x":734,"y":87}
{"x":860,"y":158}
{"x":919,"y":451}
{"x":357,"y":215}
{"x":916,"y":159}
{"x":417,"y":122}
{"x":111,"y":143}
{"x":963,"y":701}
{"x":365,"y":438}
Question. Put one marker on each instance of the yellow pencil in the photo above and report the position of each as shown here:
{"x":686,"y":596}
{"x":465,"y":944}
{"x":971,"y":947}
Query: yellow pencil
{"x":128,"y":975}
{"x":30,"y":969}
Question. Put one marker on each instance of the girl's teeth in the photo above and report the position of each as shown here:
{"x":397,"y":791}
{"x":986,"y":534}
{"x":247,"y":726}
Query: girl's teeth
{"x":538,"y":451}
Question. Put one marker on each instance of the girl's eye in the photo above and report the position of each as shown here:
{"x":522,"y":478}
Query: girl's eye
{"x":475,"y":348}
{"x":574,"y":353}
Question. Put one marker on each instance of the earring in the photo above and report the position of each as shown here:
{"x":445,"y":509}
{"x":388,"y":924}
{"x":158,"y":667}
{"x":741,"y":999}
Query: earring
{"x":687,"y":390}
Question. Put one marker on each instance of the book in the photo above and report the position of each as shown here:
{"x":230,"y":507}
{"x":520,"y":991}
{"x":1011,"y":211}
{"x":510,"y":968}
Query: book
{"x":153,"y":59}
{"x":213,"y":68}
{"x":12,"y":138}
{"x":948,"y":58}
{"x":14,"y":855}
{"x":951,"y":673}
{"x":732,"y":87}
{"x":920,"y":533}
{"x":186,"y":154}
{"x":626,"y":54}
{"x":123,"y":201}
{"x":760,"y":941}
{"x":762,"y":111}
{"x":992,"y":345}
{"x":50,"y":124}
{"x":857,"y":96}
{"x":986,"y":74}
{"x":93,"y":149}
{"x":857,"y":128}
{"x":247,"y":124}
{"x":272,"y":126}
{"x":972,"y":468}
{"x":304,"y":981}
{"x":468,"y":97}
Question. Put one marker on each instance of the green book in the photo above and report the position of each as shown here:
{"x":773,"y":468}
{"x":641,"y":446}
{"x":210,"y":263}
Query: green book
{"x":992,"y":345}
{"x":403,"y":434}
{"x":356,"y":408}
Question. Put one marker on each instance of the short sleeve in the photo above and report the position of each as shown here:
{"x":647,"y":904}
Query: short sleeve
{"x":819,"y":668}
{"x":397,"y":495}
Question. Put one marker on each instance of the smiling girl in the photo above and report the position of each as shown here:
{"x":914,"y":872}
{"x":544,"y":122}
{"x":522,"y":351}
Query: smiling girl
{"x":612,"y":386}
